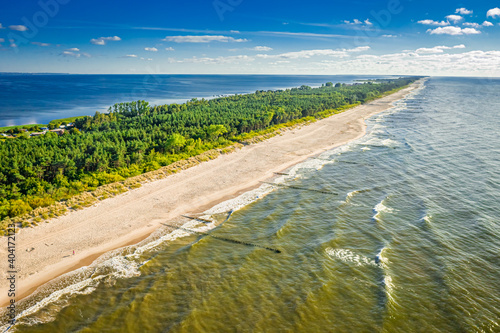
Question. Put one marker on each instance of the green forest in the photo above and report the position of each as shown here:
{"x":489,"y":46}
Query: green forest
{"x":133,"y":138}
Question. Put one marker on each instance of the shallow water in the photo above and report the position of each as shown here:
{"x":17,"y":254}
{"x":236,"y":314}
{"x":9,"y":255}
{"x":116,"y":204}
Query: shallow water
{"x":403,"y":237}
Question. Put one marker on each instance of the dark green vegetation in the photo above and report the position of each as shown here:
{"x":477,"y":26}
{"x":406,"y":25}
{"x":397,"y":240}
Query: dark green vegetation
{"x":134,"y":138}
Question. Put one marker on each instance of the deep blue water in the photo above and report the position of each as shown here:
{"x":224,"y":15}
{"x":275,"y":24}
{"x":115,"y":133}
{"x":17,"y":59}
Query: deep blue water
{"x":35,"y":99}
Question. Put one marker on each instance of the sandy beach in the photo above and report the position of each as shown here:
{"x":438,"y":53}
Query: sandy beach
{"x":77,"y":239}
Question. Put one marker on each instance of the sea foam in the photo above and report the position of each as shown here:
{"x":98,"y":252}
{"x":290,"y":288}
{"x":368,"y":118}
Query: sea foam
{"x":349,"y":256}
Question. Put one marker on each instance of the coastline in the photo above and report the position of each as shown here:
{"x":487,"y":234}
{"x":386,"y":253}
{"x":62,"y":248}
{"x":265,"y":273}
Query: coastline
{"x":133,"y":216}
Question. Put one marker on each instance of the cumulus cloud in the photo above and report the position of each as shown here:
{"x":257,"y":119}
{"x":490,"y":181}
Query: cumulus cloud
{"x":494,"y":12}
{"x":262,"y":48}
{"x":453,"y":31}
{"x":103,"y":40}
{"x":169,"y":49}
{"x":130,"y":56}
{"x":487,"y":24}
{"x":73,"y":49}
{"x":454,"y":18}
{"x":40,"y":44}
{"x":389,"y":36}
{"x":463,"y":11}
{"x":438,"y":49}
{"x":358,"y":49}
{"x":151,"y":49}
{"x":357,"y":22}
{"x":431,"y":22}
{"x":202,"y":39}
{"x":473,"y":25}
{"x":18,"y":27}
{"x":473,"y":63}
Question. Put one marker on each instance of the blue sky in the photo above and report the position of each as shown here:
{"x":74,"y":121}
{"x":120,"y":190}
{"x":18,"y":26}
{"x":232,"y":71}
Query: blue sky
{"x":251,"y":37}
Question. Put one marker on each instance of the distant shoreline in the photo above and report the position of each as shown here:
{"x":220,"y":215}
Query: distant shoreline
{"x":149,"y":87}
{"x":131,"y":217}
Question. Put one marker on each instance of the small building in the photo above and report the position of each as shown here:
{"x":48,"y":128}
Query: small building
{"x":59,"y":131}
{"x":44,"y":128}
{"x":4,"y":135}
{"x":37,"y":133}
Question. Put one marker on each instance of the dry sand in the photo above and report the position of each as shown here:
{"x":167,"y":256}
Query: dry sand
{"x":132,"y":216}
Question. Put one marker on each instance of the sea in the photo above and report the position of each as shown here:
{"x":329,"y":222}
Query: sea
{"x":40,"y":98}
{"x":397,"y":231}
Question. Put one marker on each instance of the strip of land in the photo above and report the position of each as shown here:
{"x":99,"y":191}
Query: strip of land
{"x":46,"y":251}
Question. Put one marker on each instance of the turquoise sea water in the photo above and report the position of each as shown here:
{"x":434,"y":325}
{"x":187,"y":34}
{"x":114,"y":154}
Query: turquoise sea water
{"x":402,"y":236}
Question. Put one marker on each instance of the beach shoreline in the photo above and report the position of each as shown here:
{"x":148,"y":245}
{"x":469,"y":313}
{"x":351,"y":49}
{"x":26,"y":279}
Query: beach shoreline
{"x":133,"y":216}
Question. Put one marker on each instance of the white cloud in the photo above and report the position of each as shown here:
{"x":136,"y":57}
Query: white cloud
{"x":2,"y":40}
{"x":487,"y":24}
{"x":130,"y":56}
{"x":453,"y":31}
{"x":473,"y":25}
{"x":303,"y":34}
{"x":18,"y":27}
{"x":438,"y":49}
{"x":357,"y":22}
{"x":494,"y":12}
{"x":70,"y":54}
{"x":470,"y":31}
{"x":262,"y":48}
{"x":454,"y":18}
{"x":306,"y":54}
{"x":431,"y":22}
{"x":151,"y":49}
{"x":473,"y":63}
{"x":389,"y":36}
{"x":103,"y":40}
{"x":40,"y":44}
{"x":1,"y":27}
{"x":169,"y":49}
{"x":463,"y":11}
{"x":98,"y":41}
{"x":215,"y":61}
{"x":201,"y":39}
{"x":359,"y":49}
{"x":74,"y":52}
